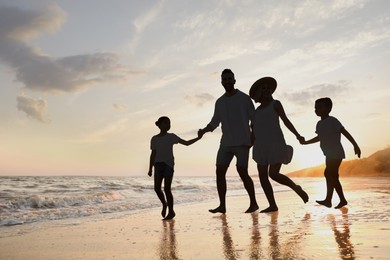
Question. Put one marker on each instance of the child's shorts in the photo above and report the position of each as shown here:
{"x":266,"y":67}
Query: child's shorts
{"x":162,"y":169}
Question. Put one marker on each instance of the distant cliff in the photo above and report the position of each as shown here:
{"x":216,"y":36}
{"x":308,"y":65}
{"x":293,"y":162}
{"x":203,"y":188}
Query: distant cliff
{"x":376,"y":165}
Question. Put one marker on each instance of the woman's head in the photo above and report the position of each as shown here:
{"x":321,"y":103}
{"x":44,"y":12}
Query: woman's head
{"x":263,"y":88}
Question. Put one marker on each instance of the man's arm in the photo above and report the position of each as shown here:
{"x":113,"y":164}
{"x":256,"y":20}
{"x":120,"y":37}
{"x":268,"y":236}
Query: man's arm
{"x":214,"y":123}
{"x":208,"y":128}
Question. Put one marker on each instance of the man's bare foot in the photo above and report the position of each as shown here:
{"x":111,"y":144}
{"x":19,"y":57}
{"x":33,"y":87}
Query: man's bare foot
{"x":252,"y":208}
{"x":302,"y":194}
{"x":170,"y":216}
{"x":220,"y":209}
{"x":269,"y":209}
{"x":164,"y":211}
{"x":341,"y":204}
{"x":324,"y":203}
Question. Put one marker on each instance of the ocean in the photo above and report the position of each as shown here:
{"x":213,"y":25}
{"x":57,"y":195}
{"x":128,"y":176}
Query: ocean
{"x":34,"y":199}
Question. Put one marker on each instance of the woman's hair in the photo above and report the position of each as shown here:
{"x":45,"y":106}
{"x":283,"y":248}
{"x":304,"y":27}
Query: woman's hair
{"x":161,"y":119}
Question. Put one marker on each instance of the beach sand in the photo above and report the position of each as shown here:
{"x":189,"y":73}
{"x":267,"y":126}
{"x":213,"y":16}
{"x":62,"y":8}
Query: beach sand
{"x":297,"y":231}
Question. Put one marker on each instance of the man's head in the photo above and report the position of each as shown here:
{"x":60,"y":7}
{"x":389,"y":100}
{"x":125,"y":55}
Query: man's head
{"x":228,"y":80}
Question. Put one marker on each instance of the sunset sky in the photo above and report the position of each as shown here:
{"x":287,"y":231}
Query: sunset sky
{"x":82,"y":82}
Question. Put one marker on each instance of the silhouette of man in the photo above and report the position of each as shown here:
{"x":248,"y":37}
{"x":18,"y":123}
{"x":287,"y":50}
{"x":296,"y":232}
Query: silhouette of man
{"x":233,"y":111}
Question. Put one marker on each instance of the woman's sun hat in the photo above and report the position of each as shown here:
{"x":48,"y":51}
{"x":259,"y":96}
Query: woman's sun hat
{"x":271,"y":82}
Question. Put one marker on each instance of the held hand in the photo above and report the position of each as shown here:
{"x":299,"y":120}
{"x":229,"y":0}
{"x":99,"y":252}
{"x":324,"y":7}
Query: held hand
{"x":301,"y":139}
{"x":357,"y":151}
{"x":200,"y":133}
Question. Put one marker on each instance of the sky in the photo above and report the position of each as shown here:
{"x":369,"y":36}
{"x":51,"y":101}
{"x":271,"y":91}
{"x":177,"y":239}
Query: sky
{"x":82,"y":82}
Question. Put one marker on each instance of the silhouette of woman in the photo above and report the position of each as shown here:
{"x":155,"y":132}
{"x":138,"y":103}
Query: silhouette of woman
{"x":270,"y":149}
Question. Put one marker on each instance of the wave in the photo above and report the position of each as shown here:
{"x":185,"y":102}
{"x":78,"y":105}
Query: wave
{"x":42,"y":202}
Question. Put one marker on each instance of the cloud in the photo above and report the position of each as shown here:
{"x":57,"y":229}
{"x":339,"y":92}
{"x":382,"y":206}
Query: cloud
{"x":107,"y":132}
{"x":71,"y":73}
{"x":120,"y":106}
{"x":36,"y":109}
{"x":309,"y":95}
{"x":200,"y":99}
{"x":143,"y":21}
{"x":165,"y":81}
{"x":40,"y":72}
{"x":21,"y":24}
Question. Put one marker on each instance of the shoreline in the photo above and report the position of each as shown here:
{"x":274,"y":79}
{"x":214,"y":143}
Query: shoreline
{"x":297,"y":231}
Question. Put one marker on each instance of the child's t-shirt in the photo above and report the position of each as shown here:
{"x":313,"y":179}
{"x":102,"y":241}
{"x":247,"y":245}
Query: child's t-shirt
{"x":329,"y":133}
{"x":164,"y":148}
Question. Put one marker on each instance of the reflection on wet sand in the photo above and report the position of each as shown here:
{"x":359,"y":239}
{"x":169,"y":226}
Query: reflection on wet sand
{"x":228,"y":245}
{"x":168,"y":245}
{"x":290,"y":248}
{"x":274,"y":246}
{"x":341,"y":233}
{"x":275,"y":249}
{"x":255,"y":247}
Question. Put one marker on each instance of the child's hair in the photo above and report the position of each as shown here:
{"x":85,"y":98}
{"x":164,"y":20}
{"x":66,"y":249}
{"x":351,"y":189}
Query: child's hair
{"x":326,"y":101}
{"x":225,"y":71}
{"x":161,"y":119}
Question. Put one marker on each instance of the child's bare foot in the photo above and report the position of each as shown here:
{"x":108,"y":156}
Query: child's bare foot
{"x":302,"y":194}
{"x":269,"y":209}
{"x":324,"y":203}
{"x":220,"y":209}
{"x":341,"y":204}
{"x":164,"y":211}
{"x":170,"y":216}
{"x":252,"y":208}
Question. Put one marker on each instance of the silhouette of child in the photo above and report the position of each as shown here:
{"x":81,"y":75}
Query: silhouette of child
{"x":329,"y":131}
{"x":162,"y":159}
{"x":270,"y":149}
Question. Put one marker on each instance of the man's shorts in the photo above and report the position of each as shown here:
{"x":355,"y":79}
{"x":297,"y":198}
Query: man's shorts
{"x":162,"y":169}
{"x":226,"y":153}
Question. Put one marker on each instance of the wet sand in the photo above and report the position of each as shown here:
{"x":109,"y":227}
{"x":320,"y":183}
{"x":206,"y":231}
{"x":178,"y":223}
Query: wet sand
{"x":298,"y":231}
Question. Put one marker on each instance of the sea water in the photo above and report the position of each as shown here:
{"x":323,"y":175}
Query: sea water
{"x":34,"y":199}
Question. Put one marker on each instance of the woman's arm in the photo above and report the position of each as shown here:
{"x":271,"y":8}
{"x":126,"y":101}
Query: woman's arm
{"x":279,"y":109}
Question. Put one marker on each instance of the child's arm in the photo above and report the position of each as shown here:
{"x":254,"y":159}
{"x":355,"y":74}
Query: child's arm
{"x":151,"y":161}
{"x":311,"y":141}
{"x":279,"y":109}
{"x":189,"y":142}
{"x":350,"y":138}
